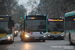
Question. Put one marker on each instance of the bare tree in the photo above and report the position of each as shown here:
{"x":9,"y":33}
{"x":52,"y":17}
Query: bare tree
{"x":18,"y":12}
{"x":11,"y":7}
{"x":55,"y":8}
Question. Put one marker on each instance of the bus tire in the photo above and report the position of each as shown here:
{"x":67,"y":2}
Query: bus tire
{"x":11,"y":41}
{"x":43,"y":40}
{"x":70,"y":39}
{"x":24,"y":40}
{"x":62,"y":38}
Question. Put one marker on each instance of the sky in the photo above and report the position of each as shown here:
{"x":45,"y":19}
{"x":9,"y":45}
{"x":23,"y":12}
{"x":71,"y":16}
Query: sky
{"x":23,"y":2}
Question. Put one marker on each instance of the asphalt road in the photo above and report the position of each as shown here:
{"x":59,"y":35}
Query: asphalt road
{"x":34,"y":45}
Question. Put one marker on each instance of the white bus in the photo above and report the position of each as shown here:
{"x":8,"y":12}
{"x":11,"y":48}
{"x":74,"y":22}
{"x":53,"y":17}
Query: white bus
{"x":56,"y":28}
{"x":34,"y":28}
{"x":70,"y":26}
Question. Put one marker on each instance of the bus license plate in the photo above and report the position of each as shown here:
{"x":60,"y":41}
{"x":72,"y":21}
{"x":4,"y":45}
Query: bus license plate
{"x":36,"y":38}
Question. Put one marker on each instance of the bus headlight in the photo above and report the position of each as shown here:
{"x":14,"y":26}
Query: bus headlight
{"x":44,"y":36}
{"x":26,"y":35}
{"x":9,"y":37}
{"x":62,"y":35}
{"x":48,"y":35}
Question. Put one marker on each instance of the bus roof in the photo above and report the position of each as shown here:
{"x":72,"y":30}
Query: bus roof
{"x":3,"y":16}
{"x":69,"y":13}
{"x":36,"y":15}
{"x":55,"y":18}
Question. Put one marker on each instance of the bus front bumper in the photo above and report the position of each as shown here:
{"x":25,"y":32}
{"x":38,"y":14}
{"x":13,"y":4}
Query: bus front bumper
{"x":5,"y":39}
{"x":57,"y":36}
{"x":35,"y":38}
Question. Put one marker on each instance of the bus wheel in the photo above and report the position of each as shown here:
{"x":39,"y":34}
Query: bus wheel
{"x":11,"y":41}
{"x":43,"y":40}
{"x":24,"y":40}
{"x":70,"y":39}
{"x":71,"y":43}
{"x":61,"y":38}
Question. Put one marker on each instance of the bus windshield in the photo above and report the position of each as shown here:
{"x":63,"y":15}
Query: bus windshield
{"x":4,"y":27}
{"x":36,"y":25}
{"x":56,"y":26}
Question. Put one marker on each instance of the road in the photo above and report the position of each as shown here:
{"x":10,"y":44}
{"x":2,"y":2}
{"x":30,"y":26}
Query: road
{"x":47,"y":45}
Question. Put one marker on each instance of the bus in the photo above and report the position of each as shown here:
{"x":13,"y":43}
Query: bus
{"x":56,"y":28}
{"x":6,"y":29}
{"x":34,"y":28}
{"x":70,"y":27}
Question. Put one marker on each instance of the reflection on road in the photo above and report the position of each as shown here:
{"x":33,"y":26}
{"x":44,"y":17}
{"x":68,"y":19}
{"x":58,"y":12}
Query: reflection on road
{"x":47,"y":45}
{"x":3,"y":46}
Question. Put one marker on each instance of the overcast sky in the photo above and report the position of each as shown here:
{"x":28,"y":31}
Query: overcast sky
{"x":23,"y":2}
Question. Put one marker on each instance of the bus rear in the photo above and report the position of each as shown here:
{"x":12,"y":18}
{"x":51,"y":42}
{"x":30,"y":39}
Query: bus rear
{"x":56,"y":28}
{"x":35,"y":27}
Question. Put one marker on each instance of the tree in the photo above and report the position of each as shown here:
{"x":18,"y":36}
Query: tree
{"x":2,"y":7}
{"x":55,"y":8}
{"x":31,"y":3}
{"x":7,"y":6}
{"x":18,"y":12}
{"x":11,"y":7}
